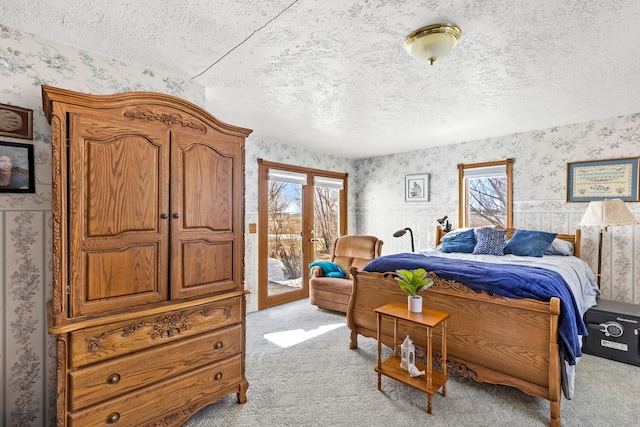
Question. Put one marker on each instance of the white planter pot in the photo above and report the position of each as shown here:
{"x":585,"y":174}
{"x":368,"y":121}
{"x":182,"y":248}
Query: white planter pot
{"x":415,"y":303}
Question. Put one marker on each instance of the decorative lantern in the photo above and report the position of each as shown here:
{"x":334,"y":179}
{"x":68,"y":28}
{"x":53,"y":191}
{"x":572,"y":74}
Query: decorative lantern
{"x":407,"y":353}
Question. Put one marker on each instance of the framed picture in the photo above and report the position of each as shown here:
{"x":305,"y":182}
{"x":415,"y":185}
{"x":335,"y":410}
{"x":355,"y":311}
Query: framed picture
{"x":16,"y":168}
{"x":603,"y":179}
{"x":416,"y":188}
{"x":16,"y":122}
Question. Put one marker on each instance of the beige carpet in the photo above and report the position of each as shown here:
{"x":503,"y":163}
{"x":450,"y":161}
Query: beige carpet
{"x":301,"y":372}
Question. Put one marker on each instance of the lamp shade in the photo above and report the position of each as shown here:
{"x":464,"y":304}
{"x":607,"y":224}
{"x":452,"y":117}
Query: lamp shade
{"x":432,"y":42}
{"x":605,"y":213}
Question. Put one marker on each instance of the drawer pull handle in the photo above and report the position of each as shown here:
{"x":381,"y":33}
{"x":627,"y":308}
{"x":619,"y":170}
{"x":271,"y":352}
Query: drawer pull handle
{"x":218,"y":345}
{"x":176,"y":215}
{"x":164,"y":215}
{"x":113,"y":379}
{"x":218,"y":376}
{"x":113,"y":418}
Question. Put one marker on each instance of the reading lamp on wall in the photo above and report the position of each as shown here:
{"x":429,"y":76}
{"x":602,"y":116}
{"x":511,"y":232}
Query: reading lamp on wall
{"x":444,"y":223}
{"x":604,"y":214}
{"x":401,"y":233}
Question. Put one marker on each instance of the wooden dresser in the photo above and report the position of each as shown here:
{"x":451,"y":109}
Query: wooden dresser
{"x":148,"y":300}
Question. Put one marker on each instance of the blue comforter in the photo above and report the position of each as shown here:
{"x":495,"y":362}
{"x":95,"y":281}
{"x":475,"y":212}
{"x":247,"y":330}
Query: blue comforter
{"x":512,"y":281}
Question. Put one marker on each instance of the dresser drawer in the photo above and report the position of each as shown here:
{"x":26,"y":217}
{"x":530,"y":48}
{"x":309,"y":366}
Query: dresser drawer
{"x":96,"y":383}
{"x":138,"y":407}
{"x":105,"y":342}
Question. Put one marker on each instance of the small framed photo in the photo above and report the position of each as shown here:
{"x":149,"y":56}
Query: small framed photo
{"x":16,"y":168}
{"x":416,"y":188}
{"x":16,"y":122}
{"x":603,"y":179}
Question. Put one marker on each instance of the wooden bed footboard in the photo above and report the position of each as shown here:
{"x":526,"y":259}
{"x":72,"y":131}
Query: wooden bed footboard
{"x":490,"y":338}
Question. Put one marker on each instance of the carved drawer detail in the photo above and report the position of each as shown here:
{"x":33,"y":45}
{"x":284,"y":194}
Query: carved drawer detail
{"x":105,"y":342}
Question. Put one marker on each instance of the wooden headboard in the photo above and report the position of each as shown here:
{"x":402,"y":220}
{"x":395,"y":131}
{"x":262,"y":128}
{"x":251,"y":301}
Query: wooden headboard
{"x":574,"y":239}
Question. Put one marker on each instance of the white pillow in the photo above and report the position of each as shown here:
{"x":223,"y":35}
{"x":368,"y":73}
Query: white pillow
{"x":559,"y":247}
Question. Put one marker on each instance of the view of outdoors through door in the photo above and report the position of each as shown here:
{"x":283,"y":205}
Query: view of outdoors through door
{"x":285,"y":231}
{"x":300,"y":217}
{"x":326,"y":208}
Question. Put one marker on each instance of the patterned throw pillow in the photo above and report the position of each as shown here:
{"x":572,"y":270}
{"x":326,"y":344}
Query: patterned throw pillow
{"x":490,"y":241}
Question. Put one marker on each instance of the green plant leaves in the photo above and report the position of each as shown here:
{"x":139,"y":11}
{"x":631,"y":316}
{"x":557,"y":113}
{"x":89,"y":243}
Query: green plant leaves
{"x":413,"y":281}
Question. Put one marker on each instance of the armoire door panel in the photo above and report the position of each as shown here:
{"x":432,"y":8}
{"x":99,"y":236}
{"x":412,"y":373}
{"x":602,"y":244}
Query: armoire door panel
{"x":207,"y":264}
{"x":118,"y":185}
{"x":205,"y":223}
{"x":207,"y":188}
{"x":126,"y":272}
{"x":119,"y":198}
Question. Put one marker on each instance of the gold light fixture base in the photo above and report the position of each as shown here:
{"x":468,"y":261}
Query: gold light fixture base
{"x":432,"y":42}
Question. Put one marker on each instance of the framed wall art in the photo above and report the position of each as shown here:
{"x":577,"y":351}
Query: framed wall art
{"x":603,"y":179}
{"x":16,"y":122}
{"x":416,"y":188}
{"x":16,"y":168}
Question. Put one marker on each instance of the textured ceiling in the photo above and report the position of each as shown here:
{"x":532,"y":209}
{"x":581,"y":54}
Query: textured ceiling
{"x":332,"y":75}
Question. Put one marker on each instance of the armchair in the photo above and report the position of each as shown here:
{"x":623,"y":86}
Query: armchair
{"x":348,"y":251}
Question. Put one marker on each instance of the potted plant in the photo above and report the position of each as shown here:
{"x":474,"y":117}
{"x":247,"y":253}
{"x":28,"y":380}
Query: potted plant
{"x":412,"y":282}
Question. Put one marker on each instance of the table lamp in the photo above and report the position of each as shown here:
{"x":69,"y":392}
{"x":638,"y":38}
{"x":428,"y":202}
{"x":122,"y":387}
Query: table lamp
{"x":604,"y":214}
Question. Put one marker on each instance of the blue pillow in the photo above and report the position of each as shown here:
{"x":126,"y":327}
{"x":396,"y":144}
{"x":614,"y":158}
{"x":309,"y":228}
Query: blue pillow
{"x":529,"y":243}
{"x":463,"y":242}
{"x":559,"y":247}
{"x":490,"y":241}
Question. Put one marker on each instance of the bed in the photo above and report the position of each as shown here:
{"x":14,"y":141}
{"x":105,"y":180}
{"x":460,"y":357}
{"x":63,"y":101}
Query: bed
{"x":509,"y":340}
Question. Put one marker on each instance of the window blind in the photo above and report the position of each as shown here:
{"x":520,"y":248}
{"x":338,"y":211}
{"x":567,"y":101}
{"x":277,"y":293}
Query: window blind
{"x":486,"y":172}
{"x":322,"y":181}
{"x":287,"y":176}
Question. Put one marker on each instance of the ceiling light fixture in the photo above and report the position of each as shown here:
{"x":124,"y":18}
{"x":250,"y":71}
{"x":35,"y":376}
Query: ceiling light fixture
{"x":432,"y":42}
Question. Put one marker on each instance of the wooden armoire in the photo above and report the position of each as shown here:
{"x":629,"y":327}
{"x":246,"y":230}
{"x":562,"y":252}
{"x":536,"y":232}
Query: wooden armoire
{"x":148,"y":301}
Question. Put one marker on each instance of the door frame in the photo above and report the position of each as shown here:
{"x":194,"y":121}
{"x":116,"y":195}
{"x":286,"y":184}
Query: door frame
{"x":264,"y":300}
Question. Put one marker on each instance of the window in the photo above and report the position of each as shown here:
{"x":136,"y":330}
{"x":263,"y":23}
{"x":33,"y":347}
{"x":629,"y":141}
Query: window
{"x":485,"y":194}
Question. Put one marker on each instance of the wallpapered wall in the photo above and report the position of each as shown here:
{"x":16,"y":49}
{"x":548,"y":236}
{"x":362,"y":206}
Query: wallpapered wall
{"x":376,"y":199}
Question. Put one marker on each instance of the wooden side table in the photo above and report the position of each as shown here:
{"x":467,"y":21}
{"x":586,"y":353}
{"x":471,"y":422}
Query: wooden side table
{"x":434,"y":379}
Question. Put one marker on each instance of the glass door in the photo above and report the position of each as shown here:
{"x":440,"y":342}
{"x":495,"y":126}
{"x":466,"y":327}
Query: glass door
{"x":326,"y":209}
{"x":301,"y":213}
{"x":284,"y":229}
